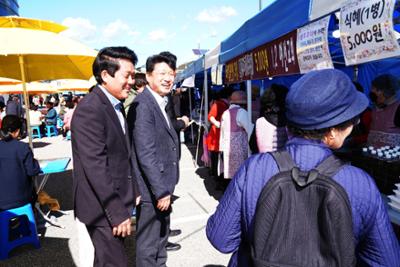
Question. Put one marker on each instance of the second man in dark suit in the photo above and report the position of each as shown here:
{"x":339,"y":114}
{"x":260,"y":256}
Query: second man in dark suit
{"x":156,"y":147}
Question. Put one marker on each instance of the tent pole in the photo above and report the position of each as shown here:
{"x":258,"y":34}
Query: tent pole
{"x":199,"y":131}
{"x":205,"y":97}
{"x":190,"y":112}
{"x":249,"y":109}
{"x":26,"y":99}
{"x":355,"y":73}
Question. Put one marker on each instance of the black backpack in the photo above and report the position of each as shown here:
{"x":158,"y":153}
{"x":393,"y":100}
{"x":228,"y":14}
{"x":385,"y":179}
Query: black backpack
{"x":303,"y":219}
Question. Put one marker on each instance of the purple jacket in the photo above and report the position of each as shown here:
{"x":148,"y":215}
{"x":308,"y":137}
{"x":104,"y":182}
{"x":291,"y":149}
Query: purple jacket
{"x":231,"y":227}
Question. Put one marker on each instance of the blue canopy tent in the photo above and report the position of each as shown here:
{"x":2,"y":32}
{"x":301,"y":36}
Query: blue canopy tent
{"x":274,"y":22}
{"x":267,"y":25}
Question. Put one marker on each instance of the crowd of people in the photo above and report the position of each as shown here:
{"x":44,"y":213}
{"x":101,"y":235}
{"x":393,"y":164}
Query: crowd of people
{"x":126,"y":152}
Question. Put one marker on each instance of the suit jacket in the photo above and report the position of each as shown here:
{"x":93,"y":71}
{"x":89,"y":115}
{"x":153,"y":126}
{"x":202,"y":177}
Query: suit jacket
{"x":17,"y":166}
{"x":156,"y":148}
{"x":178,"y":125}
{"x":103,"y":184}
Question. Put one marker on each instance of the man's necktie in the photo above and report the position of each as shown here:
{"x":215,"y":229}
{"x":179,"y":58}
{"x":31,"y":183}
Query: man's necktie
{"x":120,"y":107}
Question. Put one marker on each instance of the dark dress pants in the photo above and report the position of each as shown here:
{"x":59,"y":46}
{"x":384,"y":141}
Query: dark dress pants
{"x":152,"y":230}
{"x":214,"y":163}
{"x":108,"y":249}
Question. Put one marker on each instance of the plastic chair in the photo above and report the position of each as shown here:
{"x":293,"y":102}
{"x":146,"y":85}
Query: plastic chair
{"x":51,"y":130}
{"x":68,"y":137}
{"x":22,"y":232}
{"x":60,"y":122}
{"x":37,"y":134}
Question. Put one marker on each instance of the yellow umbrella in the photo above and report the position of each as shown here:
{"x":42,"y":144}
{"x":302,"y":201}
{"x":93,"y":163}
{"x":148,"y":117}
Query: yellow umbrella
{"x":7,"y":81}
{"x":34,"y":24}
{"x":72,"y":85}
{"x":32,"y":55}
{"x":33,"y":88}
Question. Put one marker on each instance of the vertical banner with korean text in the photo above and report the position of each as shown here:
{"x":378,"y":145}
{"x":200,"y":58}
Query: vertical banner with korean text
{"x":366,"y":31}
{"x":313,"y":47}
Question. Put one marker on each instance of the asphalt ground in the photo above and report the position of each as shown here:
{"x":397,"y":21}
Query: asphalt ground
{"x":70,"y":246}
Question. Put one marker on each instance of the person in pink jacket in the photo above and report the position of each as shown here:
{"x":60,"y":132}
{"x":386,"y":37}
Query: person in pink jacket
{"x":271,"y":126}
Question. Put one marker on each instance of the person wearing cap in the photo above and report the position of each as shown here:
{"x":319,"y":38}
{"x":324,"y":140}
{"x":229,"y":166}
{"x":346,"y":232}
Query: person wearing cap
{"x":236,"y":129}
{"x":321,"y":109}
{"x":385,"y":124}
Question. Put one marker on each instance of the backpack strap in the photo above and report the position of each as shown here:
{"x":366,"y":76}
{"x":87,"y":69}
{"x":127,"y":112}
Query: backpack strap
{"x":328,"y":167}
{"x":284,"y":160}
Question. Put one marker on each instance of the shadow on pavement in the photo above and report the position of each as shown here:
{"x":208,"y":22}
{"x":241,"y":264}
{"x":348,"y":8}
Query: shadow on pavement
{"x":40,"y":144}
{"x":209,"y":183}
{"x":53,"y":252}
{"x":203,"y":171}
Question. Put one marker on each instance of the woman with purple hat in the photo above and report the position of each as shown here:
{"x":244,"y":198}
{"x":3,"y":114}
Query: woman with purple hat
{"x":321,"y":109}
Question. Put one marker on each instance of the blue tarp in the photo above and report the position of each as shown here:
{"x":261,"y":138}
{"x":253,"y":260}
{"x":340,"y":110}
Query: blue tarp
{"x":279,"y":18}
{"x":198,"y":65}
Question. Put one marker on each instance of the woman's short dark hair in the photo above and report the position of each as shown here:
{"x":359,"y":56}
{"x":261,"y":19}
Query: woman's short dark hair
{"x":70,"y":104}
{"x":34,"y":107}
{"x":107,"y":59}
{"x":140,"y":80}
{"x":9,"y":124}
{"x":272,"y":104}
{"x":320,"y":133}
{"x":386,"y":83}
{"x":226,"y":91}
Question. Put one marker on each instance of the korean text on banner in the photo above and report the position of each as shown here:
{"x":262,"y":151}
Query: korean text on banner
{"x":282,"y":57}
{"x":312,"y":46}
{"x":366,"y":31}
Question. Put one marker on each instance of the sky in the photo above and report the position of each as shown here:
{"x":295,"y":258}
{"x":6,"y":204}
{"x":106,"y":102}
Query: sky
{"x":147,"y":27}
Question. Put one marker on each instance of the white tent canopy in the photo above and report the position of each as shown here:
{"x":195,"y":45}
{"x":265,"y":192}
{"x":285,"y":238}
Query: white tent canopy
{"x":212,"y":57}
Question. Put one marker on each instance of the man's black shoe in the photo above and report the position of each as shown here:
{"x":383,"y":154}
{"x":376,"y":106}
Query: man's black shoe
{"x":172,"y":246}
{"x":175,"y":232}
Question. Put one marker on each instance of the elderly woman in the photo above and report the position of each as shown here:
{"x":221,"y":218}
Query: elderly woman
{"x":385,"y":124}
{"x":17,"y":166}
{"x":236,"y":129}
{"x":321,"y":109}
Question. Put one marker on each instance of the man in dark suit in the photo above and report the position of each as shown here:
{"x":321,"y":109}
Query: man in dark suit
{"x":156,"y":147}
{"x":104,"y":187}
